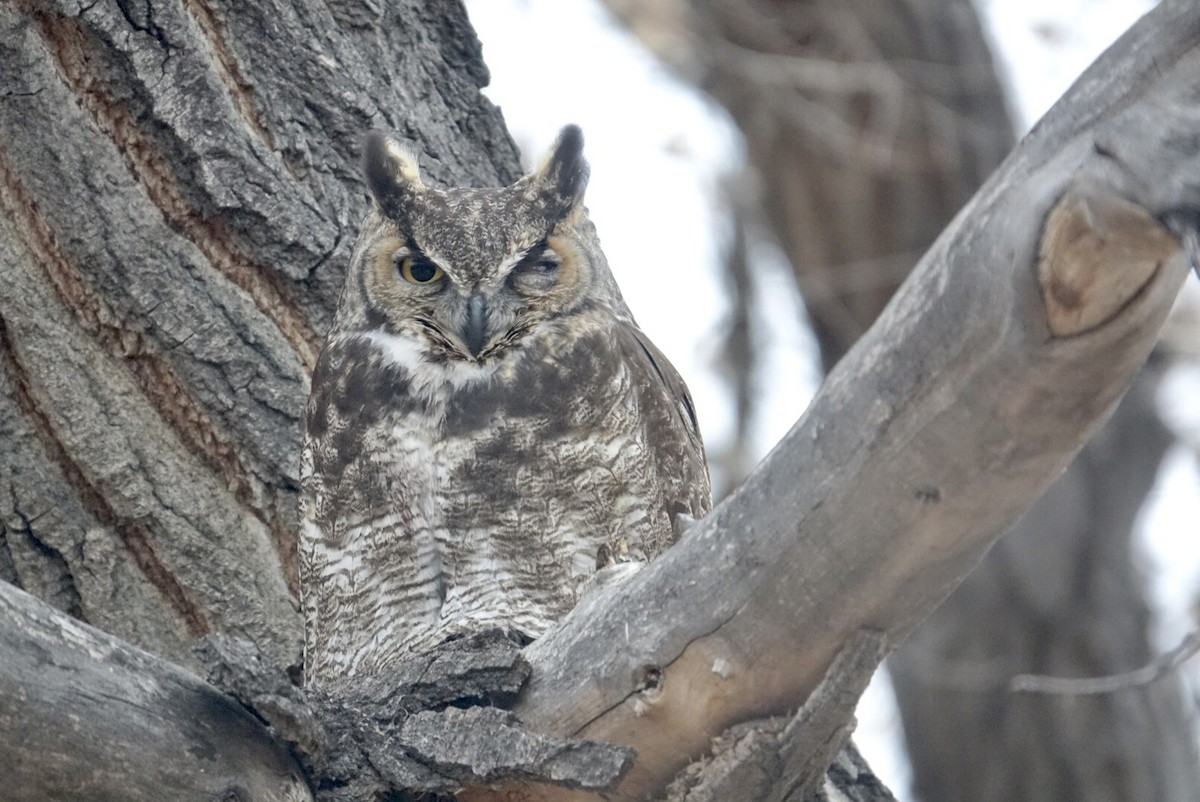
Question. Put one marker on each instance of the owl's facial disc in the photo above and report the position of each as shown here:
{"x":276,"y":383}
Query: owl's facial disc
{"x":472,"y":273}
{"x":477,"y":312}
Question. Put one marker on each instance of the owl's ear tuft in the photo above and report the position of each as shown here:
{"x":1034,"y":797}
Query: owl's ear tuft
{"x":390,"y":167}
{"x":562,"y":176}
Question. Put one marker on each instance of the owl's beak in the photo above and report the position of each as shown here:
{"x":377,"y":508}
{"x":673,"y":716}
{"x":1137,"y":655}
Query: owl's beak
{"x":475,"y":332}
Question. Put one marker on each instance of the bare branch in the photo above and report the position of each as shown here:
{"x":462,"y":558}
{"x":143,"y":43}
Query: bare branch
{"x":1139,"y":677}
{"x":86,"y":715}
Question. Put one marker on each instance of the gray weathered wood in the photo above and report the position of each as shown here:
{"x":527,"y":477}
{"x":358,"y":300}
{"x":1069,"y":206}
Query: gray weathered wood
{"x":871,"y":123}
{"x":785,"y":759}
{"x":937,"y":430}
{"x":84,"y":715}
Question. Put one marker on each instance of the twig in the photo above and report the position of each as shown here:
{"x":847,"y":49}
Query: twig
{"x":1086,"y":686}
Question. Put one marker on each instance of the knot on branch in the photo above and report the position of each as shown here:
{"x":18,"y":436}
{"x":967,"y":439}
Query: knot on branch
{"x":430,"y":726}
{"x":1097,"y":252}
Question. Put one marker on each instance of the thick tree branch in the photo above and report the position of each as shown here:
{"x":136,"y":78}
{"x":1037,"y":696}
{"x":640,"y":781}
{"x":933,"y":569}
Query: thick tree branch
{"x":939,"y":428}
{"x":1057,"y":595}
{"x":87,"y":716}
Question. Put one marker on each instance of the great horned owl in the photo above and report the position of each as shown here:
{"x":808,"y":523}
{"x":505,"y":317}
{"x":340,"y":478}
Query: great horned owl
{"x":487,"y":425}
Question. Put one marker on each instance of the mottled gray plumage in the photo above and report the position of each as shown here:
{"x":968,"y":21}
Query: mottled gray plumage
{"x":487,"y":425}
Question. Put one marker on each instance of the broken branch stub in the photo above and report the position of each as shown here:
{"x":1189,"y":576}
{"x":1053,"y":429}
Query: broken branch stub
{"x":1097,"y":252}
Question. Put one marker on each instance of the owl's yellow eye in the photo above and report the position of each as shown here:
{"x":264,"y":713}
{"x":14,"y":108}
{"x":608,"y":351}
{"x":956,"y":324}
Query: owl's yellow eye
{"x":419,"y":270}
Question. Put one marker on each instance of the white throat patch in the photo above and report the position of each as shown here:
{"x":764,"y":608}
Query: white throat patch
{"x":428,"y":378}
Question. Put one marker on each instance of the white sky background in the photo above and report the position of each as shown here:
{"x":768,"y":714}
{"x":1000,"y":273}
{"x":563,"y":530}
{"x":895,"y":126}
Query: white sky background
{"x":658,"y":152}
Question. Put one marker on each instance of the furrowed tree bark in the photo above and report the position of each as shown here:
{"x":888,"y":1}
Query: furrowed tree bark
{"x":178,"y":195}
{"x":179,"y":188}
{"x":1008,"y":346}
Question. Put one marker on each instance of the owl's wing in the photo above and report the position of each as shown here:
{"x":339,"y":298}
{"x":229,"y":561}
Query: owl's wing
{"x":669,"y":425}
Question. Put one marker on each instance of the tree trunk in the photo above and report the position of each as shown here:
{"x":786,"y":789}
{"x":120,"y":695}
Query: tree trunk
{"x":179,"y":191}
{"x":155,"y":350}
{"x":869,"y":124}
{"x":886,"y":118}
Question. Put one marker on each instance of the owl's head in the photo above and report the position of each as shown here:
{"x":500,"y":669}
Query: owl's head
{"x":469,"y":273}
